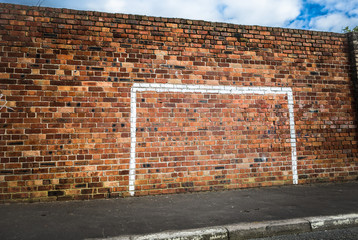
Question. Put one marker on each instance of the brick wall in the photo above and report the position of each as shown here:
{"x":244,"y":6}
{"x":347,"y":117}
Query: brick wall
{"x":100,"y":105}
{"x":353,"y":40}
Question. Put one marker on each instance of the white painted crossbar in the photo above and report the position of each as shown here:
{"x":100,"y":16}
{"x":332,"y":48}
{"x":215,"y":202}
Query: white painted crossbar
{"x":182,"y":88}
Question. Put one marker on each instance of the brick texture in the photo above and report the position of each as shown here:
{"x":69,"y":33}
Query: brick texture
{"x":66,"y":121}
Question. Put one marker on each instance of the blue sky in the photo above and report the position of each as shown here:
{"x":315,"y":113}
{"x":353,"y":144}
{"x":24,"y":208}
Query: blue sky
{"x":322,"y":15}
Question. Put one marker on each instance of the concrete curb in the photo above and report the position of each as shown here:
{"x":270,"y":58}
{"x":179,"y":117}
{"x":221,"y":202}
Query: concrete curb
{"x":331,"y":222}
{"x":201,"y":233}
{"x":267,"y":229}
{"x":252,"y":230}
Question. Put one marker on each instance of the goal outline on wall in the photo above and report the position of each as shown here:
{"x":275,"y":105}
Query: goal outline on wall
{"x":183,"y":88}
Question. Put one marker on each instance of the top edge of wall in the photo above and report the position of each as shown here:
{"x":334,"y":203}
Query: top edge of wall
{"x":50,"y":12}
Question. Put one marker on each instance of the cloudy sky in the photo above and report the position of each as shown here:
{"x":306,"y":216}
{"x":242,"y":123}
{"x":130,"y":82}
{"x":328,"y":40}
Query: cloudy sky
{"x":322,"y":15}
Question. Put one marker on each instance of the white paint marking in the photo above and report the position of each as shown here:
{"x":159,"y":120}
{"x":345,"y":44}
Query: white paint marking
{"x":143,"y":87}
{"x":293,"y":137}
{"x":133,"y":140}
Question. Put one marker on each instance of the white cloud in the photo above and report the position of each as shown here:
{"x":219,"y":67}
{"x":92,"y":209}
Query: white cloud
{"x":112,"y":6}
{"x":253,"y":12}
{"x":332,"y":22}
{"x":261,"y":12}
{"x":191,"y":9}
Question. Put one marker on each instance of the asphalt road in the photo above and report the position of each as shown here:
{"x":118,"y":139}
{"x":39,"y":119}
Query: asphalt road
{"x":336,"y":234}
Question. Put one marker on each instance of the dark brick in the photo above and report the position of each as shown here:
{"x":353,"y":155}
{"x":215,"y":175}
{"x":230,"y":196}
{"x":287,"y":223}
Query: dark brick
{"x":95,"y":48}
{"x":55,"y":193}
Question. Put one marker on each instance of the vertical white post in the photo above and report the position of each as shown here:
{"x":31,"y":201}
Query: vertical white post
{"x":293,"y":136}
{"x":133,"y":119}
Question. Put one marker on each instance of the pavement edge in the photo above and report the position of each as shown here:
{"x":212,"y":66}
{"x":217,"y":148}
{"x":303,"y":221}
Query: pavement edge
{"x":211,"y":233}
{"x":252,"y":230}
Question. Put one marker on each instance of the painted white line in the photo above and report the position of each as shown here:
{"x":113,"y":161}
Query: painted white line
{"x":133,"y":117}
{"x":293,"y":138}
{"x":156,"y":87}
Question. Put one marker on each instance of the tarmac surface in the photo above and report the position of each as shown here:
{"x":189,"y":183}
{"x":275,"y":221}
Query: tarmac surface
{"x":141,"y":216}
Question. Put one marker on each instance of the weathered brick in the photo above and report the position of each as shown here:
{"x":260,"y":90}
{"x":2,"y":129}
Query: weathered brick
{"x":55,"y":193}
